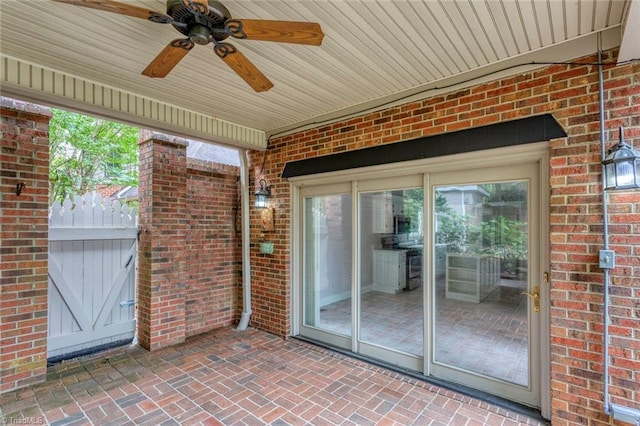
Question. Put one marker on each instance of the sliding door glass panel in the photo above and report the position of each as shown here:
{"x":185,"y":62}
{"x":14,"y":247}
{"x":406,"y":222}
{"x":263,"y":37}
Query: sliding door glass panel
{"x":391,"y":305}
{"x":481,"y":257}
{"x":327,"y":263}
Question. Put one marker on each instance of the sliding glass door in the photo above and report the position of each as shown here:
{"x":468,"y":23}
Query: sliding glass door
{"x":438,"y":273}
{"x":391,"y":297}
{"x":327,"y":265}
{"x":485,"y":287}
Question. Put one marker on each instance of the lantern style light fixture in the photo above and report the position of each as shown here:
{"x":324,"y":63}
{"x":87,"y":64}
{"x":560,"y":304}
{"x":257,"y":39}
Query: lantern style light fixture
{"x":622,"y":166}
{"x":262,"y":195}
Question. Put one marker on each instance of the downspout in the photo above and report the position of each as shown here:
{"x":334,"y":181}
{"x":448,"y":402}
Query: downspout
{"x":246,"y":257}
{"x":607,"y":261}
{"x":605,"y":232}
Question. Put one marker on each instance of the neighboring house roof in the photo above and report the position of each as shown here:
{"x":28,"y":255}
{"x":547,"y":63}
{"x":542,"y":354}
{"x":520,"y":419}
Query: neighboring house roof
{"x":109,"y":191}
{"x":128,"y":193}
{"x":463,"y":188}
{"x":213,"y":153}
{"x":198,"y":150}
{"x":117,"y":192}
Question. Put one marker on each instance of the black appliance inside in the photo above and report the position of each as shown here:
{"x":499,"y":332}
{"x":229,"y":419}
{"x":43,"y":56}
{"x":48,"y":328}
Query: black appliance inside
{"x":413,"y":248}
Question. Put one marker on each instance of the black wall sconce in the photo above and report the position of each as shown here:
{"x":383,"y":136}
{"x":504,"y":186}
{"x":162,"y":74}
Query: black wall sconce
{"x":19,"y":187}
{"x":622,"y":166}
{"x":262,"y":195}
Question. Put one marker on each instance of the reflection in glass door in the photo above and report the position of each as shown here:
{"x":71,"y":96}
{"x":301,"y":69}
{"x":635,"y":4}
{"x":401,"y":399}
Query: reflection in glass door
{"x":391,"y":290}
{"x":327,"y":263}
{"x":481,"y":246}
{"x":442,"y":293}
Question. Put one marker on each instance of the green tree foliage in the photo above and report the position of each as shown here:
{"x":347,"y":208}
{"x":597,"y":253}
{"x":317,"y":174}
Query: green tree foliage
{"x":503,"y":237}
{"x":87,"y":151}
{"x":497,"y":235}
{"x":452,"y":227}
{"x":413,"y":205}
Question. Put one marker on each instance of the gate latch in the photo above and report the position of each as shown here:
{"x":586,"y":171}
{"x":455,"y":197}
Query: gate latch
{"x":126,"y":303}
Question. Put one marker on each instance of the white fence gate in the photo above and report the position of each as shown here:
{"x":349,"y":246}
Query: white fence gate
{"x":92,"y":258}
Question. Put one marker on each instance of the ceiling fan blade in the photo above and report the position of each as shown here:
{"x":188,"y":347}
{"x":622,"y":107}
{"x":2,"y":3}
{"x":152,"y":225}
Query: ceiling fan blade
{"x":116,"y":7}
{"x":281,"y":31}
{"x":168,"y":58}
{"x":243,"y":67}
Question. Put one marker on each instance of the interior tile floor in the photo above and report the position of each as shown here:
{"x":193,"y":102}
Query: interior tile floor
{"x":240,"y":378}
{"x":489,"y":338}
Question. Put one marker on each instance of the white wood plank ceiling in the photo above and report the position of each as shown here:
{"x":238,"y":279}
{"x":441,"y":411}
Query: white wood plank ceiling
{"x":374,"y":51}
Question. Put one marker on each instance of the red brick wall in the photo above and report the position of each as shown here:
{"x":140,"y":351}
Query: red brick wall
{"x":270,"y":273}
{"x":24,"y":157}
{"x":213,"y":261}
{"x":570,"y":93}
{"x":162,"y":209}
{"x":188,"y":251}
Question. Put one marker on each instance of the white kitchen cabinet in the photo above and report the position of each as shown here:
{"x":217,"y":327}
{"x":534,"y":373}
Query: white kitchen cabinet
{"x":389,"y":270}
{"x":386,"y":206}
{"x":382,"y":213}
{"x":471,"y":278}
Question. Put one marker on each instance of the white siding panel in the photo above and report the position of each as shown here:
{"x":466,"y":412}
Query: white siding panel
{"x":516,"y":26}
{"x":601,"y":14}
{"x":587,"y":8}
{"x":54,"y":85}
{"x":349,"y":48}
{"x":503,"y":26}
{"x":615,"y":12}
{"x":463,"y":20}
{"x":374,"y":51}
{"x":557,"y":18}
{"x":543,"y":21}
{"x":483,"y":21}
{"x":450,"y":36}
{"x":572,"y":9}
{"x":409,"y":41}
{"x":438,"y":62}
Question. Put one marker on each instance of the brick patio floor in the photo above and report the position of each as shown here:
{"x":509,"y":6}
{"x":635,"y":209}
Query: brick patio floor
{"x":244,"y":378}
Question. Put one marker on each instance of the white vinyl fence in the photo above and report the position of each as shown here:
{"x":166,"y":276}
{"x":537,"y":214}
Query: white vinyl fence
{"x":92,"y":258}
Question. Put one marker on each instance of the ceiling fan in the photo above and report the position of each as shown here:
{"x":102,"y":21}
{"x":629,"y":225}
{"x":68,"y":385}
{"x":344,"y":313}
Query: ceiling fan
{"x":208,"y":21}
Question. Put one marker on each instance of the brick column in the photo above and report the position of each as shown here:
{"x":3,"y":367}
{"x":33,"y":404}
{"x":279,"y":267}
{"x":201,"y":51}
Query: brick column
{"x":162,"y":211}
{"x":24,"y":226}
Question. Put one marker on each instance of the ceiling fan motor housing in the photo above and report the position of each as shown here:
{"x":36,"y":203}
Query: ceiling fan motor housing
{"x":199,"y":27}
{"x":199,"y":34}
